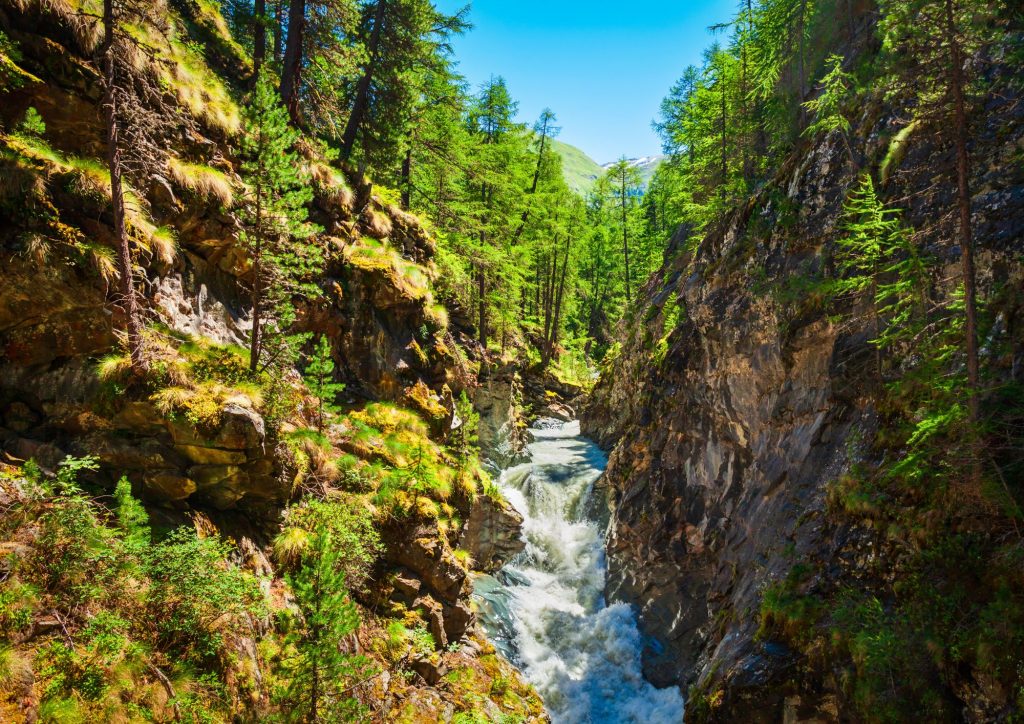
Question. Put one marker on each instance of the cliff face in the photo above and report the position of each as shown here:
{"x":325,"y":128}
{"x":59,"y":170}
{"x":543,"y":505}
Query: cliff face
{"x":737,"y":402}
{"x":212,"y":452}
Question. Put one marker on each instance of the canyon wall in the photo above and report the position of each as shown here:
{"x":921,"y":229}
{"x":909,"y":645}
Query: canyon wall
{"x":738,"y":399}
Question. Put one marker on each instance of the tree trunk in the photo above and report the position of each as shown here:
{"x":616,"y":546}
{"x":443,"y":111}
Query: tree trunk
{"x":482,"y":291}
{"x":553,"y":339}
{"x":361,"y":101}
{"x":259,"y":34}
{"x":292,"y":71}
{"x":549,"y":284}
{"x":533,"y":186}
{"x":960,"y":130}
{"x":625,"y":237}
{"x":407,"y":175}
{"x":256,"y":342}
{"x":129,"y":303}
{"x":725,"y":139}
{"x":801,"y":23}
{"x":745,"y":122}
{"x":278,"y":30}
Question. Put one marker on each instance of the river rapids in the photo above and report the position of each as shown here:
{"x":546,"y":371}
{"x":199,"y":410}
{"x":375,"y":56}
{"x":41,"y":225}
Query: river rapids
{"x":545,"y":610}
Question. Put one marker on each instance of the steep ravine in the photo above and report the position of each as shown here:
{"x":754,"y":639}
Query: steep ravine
{"x":725,"y":444}
{"x":214,"y":460}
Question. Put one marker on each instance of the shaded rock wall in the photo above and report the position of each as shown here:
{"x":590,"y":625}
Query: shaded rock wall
{"x":722,"y":450}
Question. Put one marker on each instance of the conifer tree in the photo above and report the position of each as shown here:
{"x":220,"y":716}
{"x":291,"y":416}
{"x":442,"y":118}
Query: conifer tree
{"x":930,"y":43}
{"x":876,"y":259}
{"x":319,"y":376}
{"x":403,"y":41}
{"x":274,"y":222}
{"x":827,"y":108}
{"x":624,"y":185}
{"x":319,"y":672}
{"x":131,"y":104}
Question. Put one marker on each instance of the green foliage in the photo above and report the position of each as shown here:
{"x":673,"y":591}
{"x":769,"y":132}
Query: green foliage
{"x":32,"y":124}
{"x":12,"y":76}
{"x":319,"y":672}
{"x":827,"y":108}
{"x":275,"y":227}
{"x":319,"y":377}
{"x":422,"y":641}
{"x":194,"y":606}
{"x":787,"y":612}
{"x":131,"y":517}
{"x":348,"y":521}
{"x":876,"y":258}
{"x":123,"y":604}
{"x":670,"y":318}
{"x":463,"y":439}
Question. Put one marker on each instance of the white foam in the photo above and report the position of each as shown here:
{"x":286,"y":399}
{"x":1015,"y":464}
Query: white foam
{"x":583,"y":656}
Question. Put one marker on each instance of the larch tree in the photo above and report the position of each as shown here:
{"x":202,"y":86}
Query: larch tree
{"x":624,"y":184}
{"x":930,"y":43}
{"x":402,"y":41}
{"x":274,"y":217}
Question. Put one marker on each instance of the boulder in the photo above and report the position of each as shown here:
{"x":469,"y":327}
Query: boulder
{"x":492,"y":535}
{"x":428,"y":557}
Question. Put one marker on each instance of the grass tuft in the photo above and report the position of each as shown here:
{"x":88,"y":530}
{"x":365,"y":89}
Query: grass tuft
{"x":202,"y":180}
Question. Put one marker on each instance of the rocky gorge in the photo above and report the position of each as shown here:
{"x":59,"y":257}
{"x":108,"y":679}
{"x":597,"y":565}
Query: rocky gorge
{"x":739,"y":406}
{"x":758,"y":485}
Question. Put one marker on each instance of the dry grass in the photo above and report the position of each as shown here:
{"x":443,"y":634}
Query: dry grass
{"x":202,"y":180}
{"x":72,"y":14}
{"x":332,"y":186}
{"x":437,"y":315}
{"x":289,"y":546}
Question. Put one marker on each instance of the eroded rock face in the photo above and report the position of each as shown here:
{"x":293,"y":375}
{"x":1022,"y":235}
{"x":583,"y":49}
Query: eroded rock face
{"x":426,"y":576}
{"x":492,"y":535}
{"x":502,"y":431}
{"x":723,"y":450}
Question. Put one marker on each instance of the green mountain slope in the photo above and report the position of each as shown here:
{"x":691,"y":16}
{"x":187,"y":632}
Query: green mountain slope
{"x":580,"y":170}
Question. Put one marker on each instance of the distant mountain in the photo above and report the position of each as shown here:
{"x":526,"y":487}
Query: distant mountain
{"x":646,"y":165}
{"x":579,"y":169}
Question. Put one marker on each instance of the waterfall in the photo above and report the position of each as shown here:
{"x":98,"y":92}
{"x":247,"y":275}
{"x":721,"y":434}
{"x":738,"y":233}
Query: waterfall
{"x":545,"y":610}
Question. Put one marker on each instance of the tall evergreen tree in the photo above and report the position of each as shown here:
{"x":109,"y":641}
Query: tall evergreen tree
{"x":319,"y":672}
{"x":274,"y":218}
{"x":131,"y":104}
{"x":624,"y":186}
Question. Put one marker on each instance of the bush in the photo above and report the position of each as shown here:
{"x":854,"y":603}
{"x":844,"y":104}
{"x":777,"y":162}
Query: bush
{"x":350,"y":524}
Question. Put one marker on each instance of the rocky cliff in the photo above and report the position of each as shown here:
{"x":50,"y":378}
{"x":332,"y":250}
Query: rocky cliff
{"x":199,"y":438}
{"x":737,"y":408}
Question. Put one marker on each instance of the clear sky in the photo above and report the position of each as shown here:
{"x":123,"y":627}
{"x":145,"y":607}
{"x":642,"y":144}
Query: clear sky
{"x":603,"y":66}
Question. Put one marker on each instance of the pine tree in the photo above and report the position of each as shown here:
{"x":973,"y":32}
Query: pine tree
{"x":274,"y":222}
{"x":320,"y":673}
{"x":319,"y":377}
{"x":624,"y":185}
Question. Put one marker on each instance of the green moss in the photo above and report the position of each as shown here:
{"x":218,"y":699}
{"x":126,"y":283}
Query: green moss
{"x":786,"y":612}
{"x":897,"y":150}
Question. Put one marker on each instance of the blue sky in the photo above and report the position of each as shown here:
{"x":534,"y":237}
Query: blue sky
{"x":603,"y":66}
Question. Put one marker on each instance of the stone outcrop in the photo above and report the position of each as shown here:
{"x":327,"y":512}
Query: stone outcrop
{"x":492,"y":535}
{"x":426,"y":576}
{"x":723,"y":448}
{"x":502,"y":430}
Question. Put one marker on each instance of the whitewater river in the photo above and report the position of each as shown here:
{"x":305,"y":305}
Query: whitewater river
{"x":545,"y":610}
